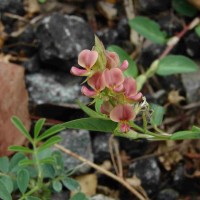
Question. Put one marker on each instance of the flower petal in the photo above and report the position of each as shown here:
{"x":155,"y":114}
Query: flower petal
{"x":122,"y":113}
{"x":78,"y":72}
{"x":124,"y":65}
{"x":87,"y":92}
{"x":136,"y":97}
{"x":87,"y":58}
{"x":112,"y":60}
{"x":124,"y":127}
{"x":106,"y":107}
{"x":113,"y":77}
{"x":130,"y":86}
{"x":97,"y":81}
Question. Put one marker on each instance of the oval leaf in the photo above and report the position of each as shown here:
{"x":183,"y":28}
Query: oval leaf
{"x":79,"y":196}
{"x":4,"y":194}
{"x":14,"y":162}
{"x":132,"y":68}
{"x":4,"y":164}
{"x":23,"y":180}
{"x":70,"y":183}
{"x":92,"y":124}
{"x":57,"y":186}
{"x":7,"y":181}
{"x":173,"y":64}
{"x":184,"y":8}
{"x":19,"y":125}
{"x":157,"y":115}
{"x":149,"y":29}
{"x":38,"y":127}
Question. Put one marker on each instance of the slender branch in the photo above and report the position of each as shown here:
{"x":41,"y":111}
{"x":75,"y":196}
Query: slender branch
{"x":102,"y":170}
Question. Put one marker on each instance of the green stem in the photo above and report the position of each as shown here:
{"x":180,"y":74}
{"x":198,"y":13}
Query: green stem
{"x":158,"y":136}
{"x":29,"y":193}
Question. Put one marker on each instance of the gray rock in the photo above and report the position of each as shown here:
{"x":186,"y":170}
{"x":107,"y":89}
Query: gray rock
{"x":191,"y":82}
{"x":62,"y":37}
{"x":51,"y":87}
{"x":168,"y":194}
{"x":64,"y":195}
{"x":101,"y":197}
{"x":148,"y":172}
{"x":100,"y":146}
{"x":77,"y":141}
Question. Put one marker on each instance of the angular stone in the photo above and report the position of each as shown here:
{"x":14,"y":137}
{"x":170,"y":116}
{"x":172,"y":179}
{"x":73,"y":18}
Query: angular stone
{"x":13,"y":101}
{"x":61,"y":39}
{"x":54,"y":87}
{"x":78,"y":141}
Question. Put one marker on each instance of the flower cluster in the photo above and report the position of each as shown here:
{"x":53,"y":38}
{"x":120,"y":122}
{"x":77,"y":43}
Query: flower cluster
{"x":108,"y":83}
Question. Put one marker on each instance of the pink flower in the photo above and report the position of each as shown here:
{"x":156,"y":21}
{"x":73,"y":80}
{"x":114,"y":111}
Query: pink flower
{"x":124,"y":65}
{"x":86,"y":60}
{"x":130,"y":90}
{"x":97,"y":83}
{"x":123,"y":113}
{"x":112,"y":60}
{"x":114,"y":79}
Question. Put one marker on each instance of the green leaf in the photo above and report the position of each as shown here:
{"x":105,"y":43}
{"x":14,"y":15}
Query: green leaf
{"x":49,"y":160}
{"x":50,"y":142}
{"x":183,"y":135}
{"x":51,"y":131}
{"x":101,"y":61}
{"x":89,"y":111}
{"x":157,"y":115}
{"x":19,"y":125}
{"x":195,"y":129}
{"x":23,"y":178}
{"x":149,"y":29}
{"x":4,"y":164}
{"x":71,"y":184}
{"x":38,"y":127}
{"x":197,"y":30}
{"x":14,"y":162}
{"x":59,"y":166}
{"x":174,"y":64}
{"x":7,"y":181}
{"x":48,"y":171}
{"x":98,"y":103}
{"x":132,"y":68}
{"x":26,"y":162}
{"x":42,"y":1}
{"x":92,"y":124}
{"x":20,"y":149}
{"x":32,"y":198}
{"x":184,"y":8}
{"x":79,"y":196}
{"x":4,"y":193}
{"x":57,"y":186}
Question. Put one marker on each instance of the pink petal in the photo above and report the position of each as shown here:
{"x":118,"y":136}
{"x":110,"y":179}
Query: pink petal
{"x":97,"y":81}
{"x":113,"y":77}
{"x":78,"y":72}
{"x":106,"y":107}
{"x":122,"y":113}
{"x":124,"y":65}
{"x":136,"y":97}
{"x":87,"y":92}
{"x":87,"y":58}
{"x":112,"y":60}
{"x":130,"y":86}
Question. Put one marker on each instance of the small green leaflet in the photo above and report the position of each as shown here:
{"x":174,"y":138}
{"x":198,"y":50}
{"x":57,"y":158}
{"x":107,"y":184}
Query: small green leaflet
{"x":38,"y":127}
{"x":183,"y":7}
{"x":4,"y":193}
{"x":149,"y":29}
{"x":20,"y":149}
{"x":14,"y":162}
{"x":194,"y":133}
{"x":57,"y":186}
{"x":79,"y":196}
{"x":91,"y":124}
{"x":19,"y":125}
{"x":132,"y":68}
{"x":23,"y":178}
{"x":7,"y":181}
{"x":4,"y":164}
{"x":71,"y":184}
{"x":174,"y":64}
{"x":157,"y":115}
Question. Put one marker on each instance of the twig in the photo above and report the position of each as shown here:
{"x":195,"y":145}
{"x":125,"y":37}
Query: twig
{"x":174,"y":40}
{"x":104,"y":171}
